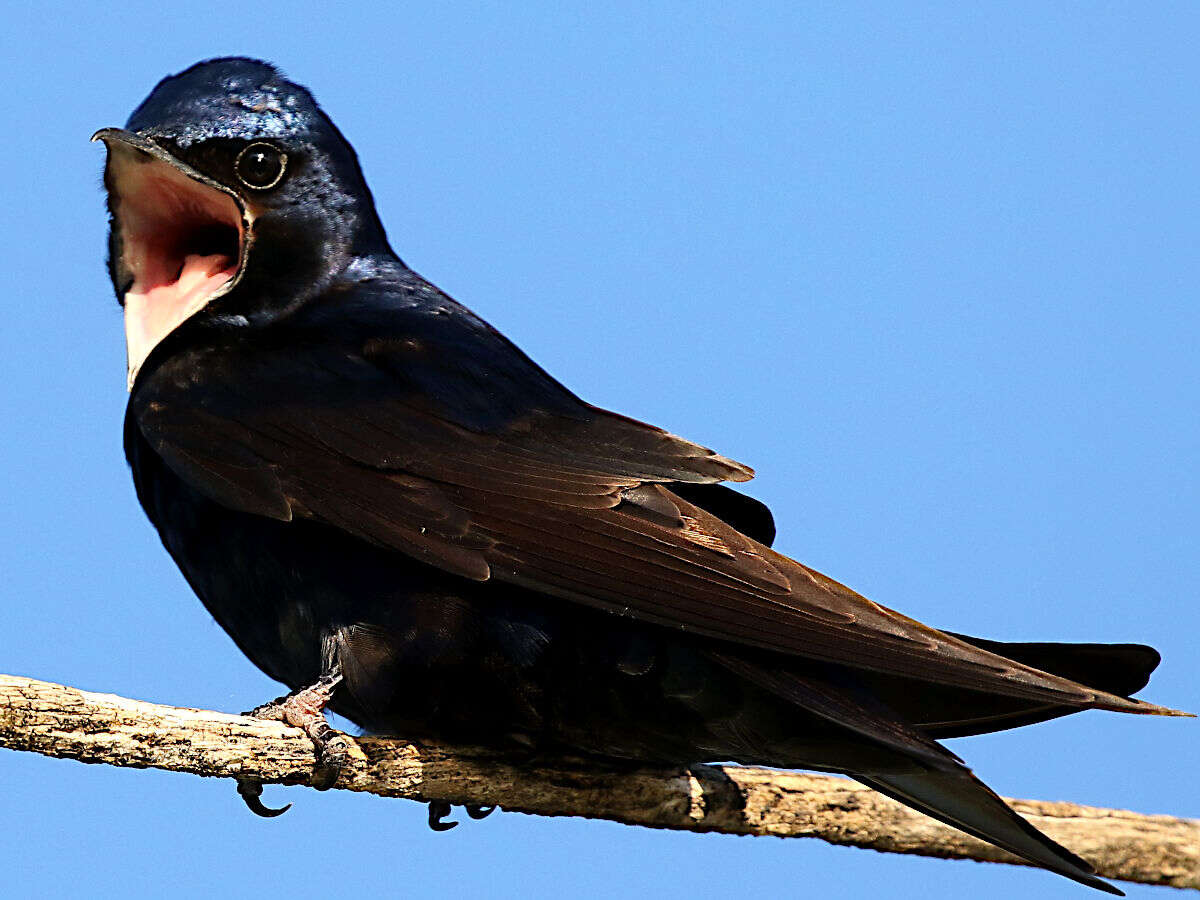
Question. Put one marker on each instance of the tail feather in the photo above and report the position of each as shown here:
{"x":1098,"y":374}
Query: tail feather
{"x":1116,"y":669}
{"x":907,"y":765}
{"x":961,"y":800}
{"x":1121,"y":669}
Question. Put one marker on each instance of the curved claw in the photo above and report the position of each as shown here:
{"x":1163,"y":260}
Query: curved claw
{"x":251,"y":792}
{"x":438,"y":810}
{"x":479,"y":812}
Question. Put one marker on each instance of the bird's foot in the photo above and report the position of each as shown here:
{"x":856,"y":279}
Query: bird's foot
{"x":439,"y":809}
{"x":304,"y":708}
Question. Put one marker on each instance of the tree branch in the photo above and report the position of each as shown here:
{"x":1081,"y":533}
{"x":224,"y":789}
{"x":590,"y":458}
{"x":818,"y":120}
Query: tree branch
{"x":103,"y":728}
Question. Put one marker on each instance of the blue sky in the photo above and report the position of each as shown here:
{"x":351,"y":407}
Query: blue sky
{"x":932,"y":274}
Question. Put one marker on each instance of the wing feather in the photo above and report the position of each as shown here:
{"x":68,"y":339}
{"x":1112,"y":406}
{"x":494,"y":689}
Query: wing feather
{"x":456,"y":449}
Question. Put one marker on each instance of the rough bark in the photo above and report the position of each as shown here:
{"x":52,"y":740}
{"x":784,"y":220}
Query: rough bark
{"x":103,"y":728}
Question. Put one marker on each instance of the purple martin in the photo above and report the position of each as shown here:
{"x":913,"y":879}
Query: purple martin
{"x":391,"y":509}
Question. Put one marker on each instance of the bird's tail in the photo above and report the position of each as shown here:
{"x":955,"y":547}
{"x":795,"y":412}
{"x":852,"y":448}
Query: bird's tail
{"x":911,"y":767}
{"x":961,"y":800}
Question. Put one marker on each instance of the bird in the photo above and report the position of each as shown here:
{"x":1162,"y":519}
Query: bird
{"x":396,"y":513}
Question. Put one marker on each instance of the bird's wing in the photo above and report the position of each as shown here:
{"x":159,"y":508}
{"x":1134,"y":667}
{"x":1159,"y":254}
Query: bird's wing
{"x":438,"y":438}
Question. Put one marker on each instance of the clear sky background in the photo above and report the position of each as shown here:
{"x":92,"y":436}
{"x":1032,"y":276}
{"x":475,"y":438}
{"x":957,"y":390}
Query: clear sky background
{"x":933,"y":273}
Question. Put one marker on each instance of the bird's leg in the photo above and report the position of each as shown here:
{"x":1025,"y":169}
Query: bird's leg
{"x":304,"y":708}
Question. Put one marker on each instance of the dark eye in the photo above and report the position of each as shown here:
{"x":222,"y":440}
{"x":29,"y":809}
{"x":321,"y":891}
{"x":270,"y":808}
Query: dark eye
{"x":260,"y":166}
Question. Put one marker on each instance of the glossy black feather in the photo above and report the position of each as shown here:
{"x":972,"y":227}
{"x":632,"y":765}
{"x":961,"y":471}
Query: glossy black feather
{"x":350,"y":468}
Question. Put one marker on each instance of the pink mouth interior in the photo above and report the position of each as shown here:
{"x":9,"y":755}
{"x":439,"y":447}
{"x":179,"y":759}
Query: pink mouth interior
{"x":181,"y":243}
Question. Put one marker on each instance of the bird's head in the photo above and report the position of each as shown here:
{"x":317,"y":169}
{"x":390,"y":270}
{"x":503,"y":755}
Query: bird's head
{"x":231,"y":194}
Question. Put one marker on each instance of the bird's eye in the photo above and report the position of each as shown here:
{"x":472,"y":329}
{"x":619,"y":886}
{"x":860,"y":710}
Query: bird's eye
{"x":260,"y":166}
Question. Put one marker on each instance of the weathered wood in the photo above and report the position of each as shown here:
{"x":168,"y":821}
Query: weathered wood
{"x":102,"y":728}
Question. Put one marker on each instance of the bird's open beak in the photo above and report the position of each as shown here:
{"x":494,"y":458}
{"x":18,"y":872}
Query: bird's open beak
{"x":180,"y":239}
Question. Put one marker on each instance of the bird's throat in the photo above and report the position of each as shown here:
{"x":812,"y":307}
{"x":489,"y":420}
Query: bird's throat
{"x":153,"y":312}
